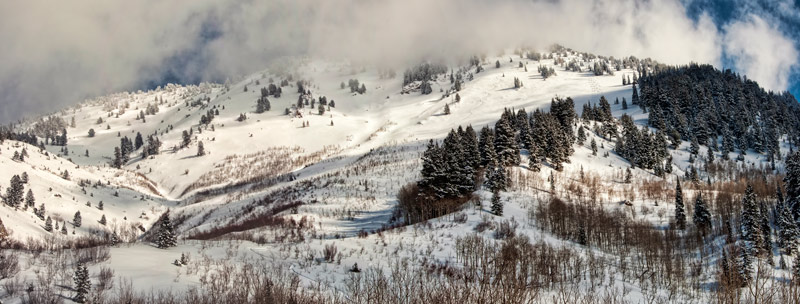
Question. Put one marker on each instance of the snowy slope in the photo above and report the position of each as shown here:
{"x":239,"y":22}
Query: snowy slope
{"x":346,"y":168}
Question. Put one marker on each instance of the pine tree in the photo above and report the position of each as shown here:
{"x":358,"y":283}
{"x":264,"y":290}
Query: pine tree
{"x":680,"y":213}
{"x":138,"y":142}
{"x":751,"y":232}
{"x":469,"y":141}
{"x":446,"y":109}
{"x":788,"y":232}
{"x":459,"y":174}
{"x":766,"y":231}
{"x":14,"y":192}
{"x":497,"y":204}
{"x":796,"y":268}
{"x":166,"y":234}
{"x":200,"y":150}
{"x":29,"y":199}
{"x":593,"y":145}
{"x":76,"y":220}
{"x":82,"y":283}
{"x":486,"y":146}
{"x":628,"y":175}
{"x":103,"y":220}
{"x":496,"y":179}
{"x":117,"y":163}
{"x":792,"y":184}
{"x":433,"y":170}
{"x":702,"y":217}
{"x":186,"y":139}
{"x":64,"y":229}
{"x":3,"y":231}
{"x":505,"y":142}
{"x":48,"y":225}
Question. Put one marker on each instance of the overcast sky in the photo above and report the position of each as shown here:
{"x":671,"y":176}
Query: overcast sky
{"x":56,"y":53}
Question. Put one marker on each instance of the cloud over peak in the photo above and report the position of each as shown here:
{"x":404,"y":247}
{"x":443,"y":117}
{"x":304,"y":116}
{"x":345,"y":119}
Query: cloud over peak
{"x":55,"y":53}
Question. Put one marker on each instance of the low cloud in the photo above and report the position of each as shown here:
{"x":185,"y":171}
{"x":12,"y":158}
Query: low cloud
{"x":56,"y":53}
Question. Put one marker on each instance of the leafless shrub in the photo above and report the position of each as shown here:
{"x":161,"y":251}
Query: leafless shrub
{"x":505,"y":230}
{"x":329,"y":253}
{"x":105,"y":278}
{"x":9,"y":264}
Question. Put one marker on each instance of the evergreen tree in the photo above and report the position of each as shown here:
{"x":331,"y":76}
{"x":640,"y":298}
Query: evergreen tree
{"x":459,"y":173}
{"x":628,"y":175}
{"x":3,"y":231}
{"x":186,"y":139}
{"x":593,"y":145}
{"x":486,"y":146}
{"x":433,"y":170}
{"x":138,"y":142}
{"x":581,"y":135}
{"x":471,"y":148}
{"x":680,"y":213}
{"x":792,"y":184}
{"x":446,"y":109}
{"x":30,"y":201}
{"x":496,"y":179}
{"x":702,"y":217}
{"x":76,"y":220}
{"x":117,"y":162}
{"x":82,"y":283}
{"x":14,"y":192}
{"x":505,"y":142}
{"x":751,"y":230}
{"x":200,"y":149}
{"x":48,"y":225}
{"x":497,"y":204}
{"x":166,"y":234}
{"x":766,"y":231}
{"x":788,"y":232}
{"x":103,"y":220}
{"x":64,"y":229}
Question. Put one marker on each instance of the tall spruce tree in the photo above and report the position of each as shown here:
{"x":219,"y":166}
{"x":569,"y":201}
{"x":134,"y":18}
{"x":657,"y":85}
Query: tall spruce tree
{"x":76,"y":220}
{"x":14,"y":192}
{"x":792,"y":184}
{"x":680,"y":213}
{"x":788,"y":232}
{"x":497,"y":204}
{"x":166,"y":233}
{"x":505,"y":142}
{"x":459,"y":174}
{"x":702,"y":217}
{"x":750,"y":229}
{"x":469,"y":142}
{"x":30,"y":201}
{"x":82,"y":283}
{"x":486,"y":147}
{"x":433,"y":171}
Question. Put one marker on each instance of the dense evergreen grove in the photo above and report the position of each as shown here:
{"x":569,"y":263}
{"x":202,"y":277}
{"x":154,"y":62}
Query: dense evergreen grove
{"x":720,"y":109}
{"x":452,"y":170}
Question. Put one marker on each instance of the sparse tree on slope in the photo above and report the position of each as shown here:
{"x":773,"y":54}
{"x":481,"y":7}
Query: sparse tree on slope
{"x":200,"y":149}
{"x":76,"y":220}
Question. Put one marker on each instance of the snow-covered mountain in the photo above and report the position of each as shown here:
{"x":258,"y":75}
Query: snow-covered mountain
{"x":285,"y":186}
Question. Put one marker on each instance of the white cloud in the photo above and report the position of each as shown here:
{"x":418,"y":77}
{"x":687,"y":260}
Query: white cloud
{"x":761,"y":52}
{"x":54,"y":53}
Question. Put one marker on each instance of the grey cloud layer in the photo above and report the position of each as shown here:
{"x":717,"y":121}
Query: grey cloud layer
{"x":55,"y":53}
